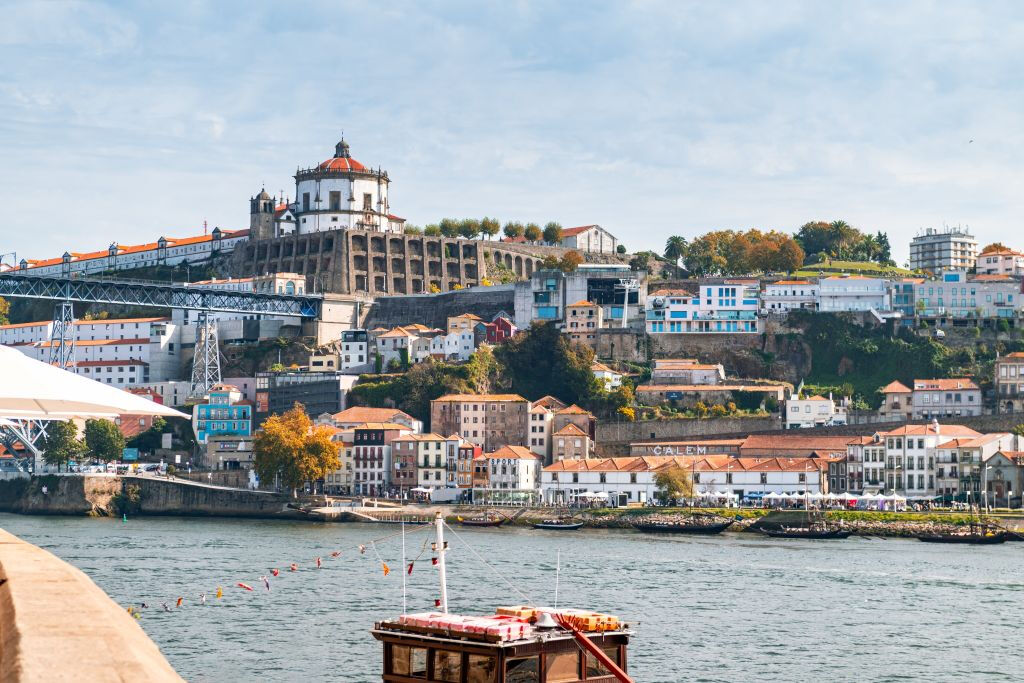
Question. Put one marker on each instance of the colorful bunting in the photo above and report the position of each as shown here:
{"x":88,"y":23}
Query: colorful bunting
{"x":409,"y":571}
{"x":244,"y":585}
{"x":386,"y":568}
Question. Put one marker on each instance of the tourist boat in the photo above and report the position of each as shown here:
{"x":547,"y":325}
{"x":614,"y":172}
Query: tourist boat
{"x":512,"y":645}
{"x":972,"y":537}
{"x":812,"y":532}
{"x":698,"y":524}
{"x":482,"y":521}
{"x":558,"y":524}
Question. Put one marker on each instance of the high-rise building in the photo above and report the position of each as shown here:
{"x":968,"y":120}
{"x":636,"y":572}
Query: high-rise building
{"x":937,"y":249}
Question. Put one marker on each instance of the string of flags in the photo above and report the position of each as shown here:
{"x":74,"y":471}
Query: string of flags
{"x":136,"y":610}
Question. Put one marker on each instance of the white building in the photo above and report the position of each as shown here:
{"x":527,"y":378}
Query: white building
{"x":168,"y":251}
{"x":1001,"y":262}
{"x":513,"y":468}
{"x":610,"y":379}
{"x":354,"y":351}
{"x":958,"y":295}
{"x":910,"y":454}
{"x":853,"y":293}
{"x":787,"y":295}
{"x":813,"y":411}
{"x":726,"y":307}
{"x":336,"y":194}
{"x":592,"y":238}
{"x":935,"y":250}
{"x":686,"y":371}
{"x":632,"y":479}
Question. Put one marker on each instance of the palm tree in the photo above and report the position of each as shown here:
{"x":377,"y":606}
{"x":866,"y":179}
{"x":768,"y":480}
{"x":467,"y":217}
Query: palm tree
{"x":675,"y":250}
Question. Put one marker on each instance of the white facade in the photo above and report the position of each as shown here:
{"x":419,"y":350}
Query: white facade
{"x":354,"y":351}
{"x":956,"y":295}
{"x":853,"y":293}
{"x":1001,"y":262}
{"x":934,"y":250}
{"x":729,"y":307}
{"x":511,"y":469}
{"x":814,"y":411}
{"x":787,"y":295}
{"x":592,"y":238}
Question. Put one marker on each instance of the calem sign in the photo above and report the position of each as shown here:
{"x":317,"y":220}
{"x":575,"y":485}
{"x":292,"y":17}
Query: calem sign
{"x":679,"y":450}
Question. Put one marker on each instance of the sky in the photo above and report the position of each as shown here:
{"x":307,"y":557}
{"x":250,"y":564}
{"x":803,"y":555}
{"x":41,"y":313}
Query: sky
{"x":126,"y":121}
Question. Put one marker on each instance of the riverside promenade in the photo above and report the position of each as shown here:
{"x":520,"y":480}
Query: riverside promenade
{"x":57,"y":625}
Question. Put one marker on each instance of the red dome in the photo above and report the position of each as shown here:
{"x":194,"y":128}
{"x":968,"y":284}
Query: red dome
{"x":341,"y":164}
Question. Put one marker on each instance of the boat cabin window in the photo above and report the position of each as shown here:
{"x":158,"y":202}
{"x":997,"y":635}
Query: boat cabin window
{"x":482,"y":669}
{"x":523,"y":670}
{"x":563,"y":667}
{"x":596,"y":668}
{"x":447,"y":666}
{"x":409,"y":661}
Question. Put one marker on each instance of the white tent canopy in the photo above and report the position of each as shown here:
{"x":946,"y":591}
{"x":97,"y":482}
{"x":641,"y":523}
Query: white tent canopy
{"x":31,"y":390}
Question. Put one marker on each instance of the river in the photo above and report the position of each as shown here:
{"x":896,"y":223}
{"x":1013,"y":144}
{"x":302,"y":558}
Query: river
{"x":737,"y":607}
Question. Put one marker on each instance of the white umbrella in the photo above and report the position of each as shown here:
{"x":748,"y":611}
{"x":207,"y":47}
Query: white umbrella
{"x":32,"y":390}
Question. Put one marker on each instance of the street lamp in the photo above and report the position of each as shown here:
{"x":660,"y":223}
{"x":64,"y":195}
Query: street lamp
{"x":984,"y":487}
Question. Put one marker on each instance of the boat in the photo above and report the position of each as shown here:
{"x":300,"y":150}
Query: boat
{"x":511,"y":645}
{"x":482,"y":521}
{"x":692,"y":525}
{"x":558,"y":524}
{"x":811,"y":532}
{"x":971,"y":537}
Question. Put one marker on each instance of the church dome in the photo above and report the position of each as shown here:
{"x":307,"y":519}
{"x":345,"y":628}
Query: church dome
{"x":342,"y":160}
{"x":263,"y":194}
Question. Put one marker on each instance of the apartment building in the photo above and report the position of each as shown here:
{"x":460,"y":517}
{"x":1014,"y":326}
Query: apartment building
{"x":720,"y":307}
{"x":853,"y":293}
{"x":931,"y":398}
{"x":807,"y":412}
{"x":372,"y":456}
{"x":1001,"y":262}
{"x":513,"y":468}
{"x":487,"y":420}
{"x":222,"y":412}
{"x":937,"y":249}
{"x":1009,"y":383}
{"x":686,"y":371}
{"x":788,"y":295}
{"x":961,"y":462}
{"x":959,"y":295}
{"x":910,"y":456}
{"x":582,"y":321}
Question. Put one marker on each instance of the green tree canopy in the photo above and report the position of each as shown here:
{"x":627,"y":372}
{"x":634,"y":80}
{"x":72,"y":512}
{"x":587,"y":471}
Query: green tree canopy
{"x":513,"y":229}
{"x":104,"y":440}
{"x":432,"y":230}
{"x":449,"y":227}
{"x":291,"y":447}
{"x":543,"y":361}
{"x":62,"y":444}
{"x":469,"y":228}
{"x":673,"y":483}
{"x":150,"y":439}
{"x":489,"y":227}
{"x":553,"y":233}
{"x":532,"y":232}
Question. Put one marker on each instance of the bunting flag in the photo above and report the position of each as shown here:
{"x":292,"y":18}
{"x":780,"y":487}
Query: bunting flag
{"x":318,"y":563}
{"x":409,"y":570}
{"x":244,"y":585}
{"x":180,"y":600}
{"x":433,"y":560}
{"x":294,"y":567}
{"x":220,"y":592}
{"x":437,"y":603}
{"x":336,"y":553}
{"x":386,"y":568}
{"x":275,"y":572}
{"x":266,"y":582}
{"x":362,"y":549}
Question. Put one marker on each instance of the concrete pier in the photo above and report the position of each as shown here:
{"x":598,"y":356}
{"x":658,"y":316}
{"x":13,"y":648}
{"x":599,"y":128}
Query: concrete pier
{"x":57,"y":625}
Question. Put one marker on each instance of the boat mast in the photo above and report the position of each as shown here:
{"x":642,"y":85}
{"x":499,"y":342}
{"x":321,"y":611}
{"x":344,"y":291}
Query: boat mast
{"x":441,"y":547}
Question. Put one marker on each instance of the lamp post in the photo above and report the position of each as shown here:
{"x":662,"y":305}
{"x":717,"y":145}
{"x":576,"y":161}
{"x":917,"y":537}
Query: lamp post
{"x":984,"y":487}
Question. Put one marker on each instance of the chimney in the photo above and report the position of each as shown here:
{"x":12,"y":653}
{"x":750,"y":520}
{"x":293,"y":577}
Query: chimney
{"x":938,"y":430}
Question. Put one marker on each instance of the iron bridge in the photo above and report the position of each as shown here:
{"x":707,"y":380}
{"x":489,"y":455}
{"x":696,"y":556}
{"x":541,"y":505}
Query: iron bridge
{"x":157,"y":294}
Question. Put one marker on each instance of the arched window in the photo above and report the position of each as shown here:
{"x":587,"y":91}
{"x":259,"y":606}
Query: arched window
{"x":289,"y":288}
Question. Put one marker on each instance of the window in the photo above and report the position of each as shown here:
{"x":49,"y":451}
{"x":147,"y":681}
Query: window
{"x":367,"y":202}
{"x":526,"y":670}
{"x":448,"y":666}
{"x":482,"y":669}
{"x":334,"y":200}
{"x":563,"y":667}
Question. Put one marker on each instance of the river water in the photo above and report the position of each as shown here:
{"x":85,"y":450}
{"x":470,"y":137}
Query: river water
{"x":736,"y":607}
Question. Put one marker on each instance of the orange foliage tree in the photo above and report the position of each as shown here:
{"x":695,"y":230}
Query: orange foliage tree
{"x":292,"y":448}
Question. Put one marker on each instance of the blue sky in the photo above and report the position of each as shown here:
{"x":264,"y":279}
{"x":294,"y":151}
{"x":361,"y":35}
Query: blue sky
{"x":122,"y":122}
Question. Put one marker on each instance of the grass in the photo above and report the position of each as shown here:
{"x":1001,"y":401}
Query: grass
{"x":852,"y":267}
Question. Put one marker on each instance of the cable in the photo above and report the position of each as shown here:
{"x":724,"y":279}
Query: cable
{"x":529,"y":600}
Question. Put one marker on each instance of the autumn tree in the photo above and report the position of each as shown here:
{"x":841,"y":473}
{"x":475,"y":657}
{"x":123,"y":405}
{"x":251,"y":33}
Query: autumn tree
{"x":513,"y":230}
{"x":62,"y":444}
{"x":5,"y":311}
{"x":469,"y":228}
{"x":728,"y":252}
{"x":489,"y":227}
{"x":104,"y":440}
{"x":673,"y":483}
{"x":291,"y":447}
{"x":570,"y":261}
{"x":532,"y":232}
{"x":553,"y":233}
{"x":988,"y":248}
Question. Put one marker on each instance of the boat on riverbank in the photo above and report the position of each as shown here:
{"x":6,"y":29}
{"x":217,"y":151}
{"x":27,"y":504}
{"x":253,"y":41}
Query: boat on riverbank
{"x":695,"y":524}
{"x":482,"y":521}
{"x":966,"y":537}
{"x":815,"y":532}
{"x":558,"y":525}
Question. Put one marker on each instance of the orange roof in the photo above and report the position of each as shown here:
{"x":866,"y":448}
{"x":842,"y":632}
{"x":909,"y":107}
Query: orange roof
{"x":973,"y":442}
{"x":1015,"y":354}
{"x":929,"y":430}
{"x":480,"y":397}
{"x":791,"y":282}
{"x":548,"y":402}
{"x":513,"y":453}
{"x":698,"y":463}
{"x":101,"y":342}
{"x":395,"y":333}
{"x":107,"y":321}
{"x":136,"y":248}
{"x":14,"y":326}
{"x":342,"y":164}
{"x":671,"y":292}
{"x":597,"y":366}
{"x":573,"y":410}
{"x":944,"y":384}
{"x":991,"y":278}
{"x":361,"y":414}
{"x":570,"y":430}
{"x":896,"y":387}
{"x":797,"y":441}
{"x":383,"y":425}
{"x":584,"y":302}
{"x":471,"y":316}
{"x":569,"y":232}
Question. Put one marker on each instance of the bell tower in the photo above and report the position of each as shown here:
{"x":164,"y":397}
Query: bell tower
{"x":261,"y":216}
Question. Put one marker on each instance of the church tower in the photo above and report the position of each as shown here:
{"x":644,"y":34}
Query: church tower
{"x":261,"y":216}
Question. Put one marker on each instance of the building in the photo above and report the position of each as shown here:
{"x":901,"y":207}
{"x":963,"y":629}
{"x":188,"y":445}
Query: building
{"x":910,"y":456}
{"x":689,"y":395}
{"x":466,"y":322}
{"x":511,"y":470}
{"x":466,"y":456}
{"x":1009,"y":383}
{"x":582,"y":321}
{"x":354,"y":351}
{"x":788,"y":295}
{"x":959,"y":296}
{"x":357,"y":415}
{"x":229,"y":452}
{"x":222,"y":412}
{"x":166,"y":251}
{"x":1001,"y":262}
{"x":487,"y":420}
{"x":610,"y":379}
{"x":960,"y":462}
{"x":686,"y":371}
{"x":902,"y":297}
{"x":542,"y":417}
{"x":719,"y":307}
{"x":496,"y":331}
{"x":592,"y":238}
{"x":571,"y":442}
{"x":372,"y":457}
{"x":340,"y":481}
{"x":807,"y":412}
{"x":931,"y":398}
{"x":546,"y":294}
{"x":632,"y":479}
{"x":317,"y":392}
{"x":853,"y":293}
{"x":934,"y":250}
{"x":865,"y":460}
{"x":1004,"y":480}
{"x":897,"y":401}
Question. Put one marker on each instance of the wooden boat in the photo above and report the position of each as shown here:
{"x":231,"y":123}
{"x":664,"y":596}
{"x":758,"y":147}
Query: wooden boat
{"x":482,"y":521}
{"x":684,"y":527}
{"x":971,"y":537}
{"x":558,"y":525}
{"x":808,"y":532}
{"x":511,"y":645}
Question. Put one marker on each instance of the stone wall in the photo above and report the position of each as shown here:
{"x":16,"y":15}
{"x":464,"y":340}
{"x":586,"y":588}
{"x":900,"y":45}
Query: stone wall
{"x":57,"y":625}
{"x":613,"y":436}
{"x":434,"y":309}
{"x":169,"y":497}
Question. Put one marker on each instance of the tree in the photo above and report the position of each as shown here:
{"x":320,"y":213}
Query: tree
{"x":570,"y":261}
{"x":621,"y":249}
{"x":432,"y":230}
{"x":5,"y":311}
{"x":643,"y":260}
{"x":675,"y":249}
{"x":995,"y":246}
{"x":413,"y":229}
{"x":673,"y":483}
{"x":469,"y":228}
{"x":1018,"y":430}
{"x":532,"y":232}
{"x":62,"y":444}
{"x":513,"y":230}
{"x":150,"y":439}
{"x":553,"y":233}
{"x":104,"y":440}
{"x":449,"y":227}
{"x":489,"y":227}
{"x":542,"y":360}
{"x":292,"y":448}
